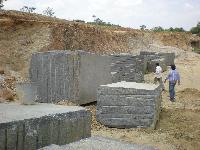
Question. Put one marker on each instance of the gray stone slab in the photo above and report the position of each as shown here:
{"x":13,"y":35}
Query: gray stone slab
{"x":128,"y":104}
{"x":99,"y":143}
{"x":165,"y":59}
{"x":128,"y":88}
{"x":151,"y":65}
{"x":75,"y":76}
{"x":94,"y":71}
{"x":36,"y":126}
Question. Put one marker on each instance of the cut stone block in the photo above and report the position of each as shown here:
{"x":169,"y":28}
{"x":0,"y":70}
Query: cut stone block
{"x":128,"y":105}
{"x":128,"y":68}
{"x":34,"y":126}
{"x":169,"y":58}
{"x":166,"y":59}
{"x":75,"y":76}
{"x":151,"y":65}
{"x":98,"y":143}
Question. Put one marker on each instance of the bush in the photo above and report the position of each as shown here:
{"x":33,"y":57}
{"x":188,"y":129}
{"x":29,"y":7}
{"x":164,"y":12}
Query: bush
{"x":196,"y":30}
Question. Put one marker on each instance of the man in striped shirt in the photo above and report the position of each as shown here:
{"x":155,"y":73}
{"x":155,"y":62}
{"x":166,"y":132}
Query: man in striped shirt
{"x":173,"y":78}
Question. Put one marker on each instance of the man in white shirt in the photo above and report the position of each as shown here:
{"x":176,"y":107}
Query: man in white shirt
{"x":158,"y":75}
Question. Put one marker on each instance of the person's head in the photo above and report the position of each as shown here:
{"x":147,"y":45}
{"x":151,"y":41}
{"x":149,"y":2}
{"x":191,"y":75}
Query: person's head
{"x":173,"y":67}
{"x":157,"y":64}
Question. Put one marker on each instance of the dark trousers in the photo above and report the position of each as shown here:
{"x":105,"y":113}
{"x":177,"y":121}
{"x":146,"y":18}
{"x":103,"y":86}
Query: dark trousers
{"x":172,"y":90}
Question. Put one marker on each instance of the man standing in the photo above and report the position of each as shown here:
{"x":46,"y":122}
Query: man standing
{"x":173,"y":77}
{"x":158,"y":75}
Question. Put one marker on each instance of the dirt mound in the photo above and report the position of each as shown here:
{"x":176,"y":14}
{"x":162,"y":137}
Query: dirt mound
{"x":190,"y":93}
{"x":7,"y":86}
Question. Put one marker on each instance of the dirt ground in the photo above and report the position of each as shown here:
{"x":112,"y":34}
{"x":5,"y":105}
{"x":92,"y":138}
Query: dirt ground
{"x":179,"y":124}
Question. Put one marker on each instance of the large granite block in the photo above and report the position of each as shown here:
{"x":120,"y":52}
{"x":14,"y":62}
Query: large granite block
{"x":128,"y":104}
{"x":75,"y":76}
{"x":151,"y":65}
{"x":165,"y":59}
{"x":30,"y":127}
{"x":127,"y":68}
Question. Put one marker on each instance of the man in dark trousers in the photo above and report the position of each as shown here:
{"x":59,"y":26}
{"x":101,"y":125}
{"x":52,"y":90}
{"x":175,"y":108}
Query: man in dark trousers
{"x":173,"y":78}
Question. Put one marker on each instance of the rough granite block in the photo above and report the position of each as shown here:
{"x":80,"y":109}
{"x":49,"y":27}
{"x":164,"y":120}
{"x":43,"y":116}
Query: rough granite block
{"x":128,"y":104}
{"x":151,"y":65}
{"x":165,"y":59}
{"x":76,"y":75}
{"x":30,"y":127}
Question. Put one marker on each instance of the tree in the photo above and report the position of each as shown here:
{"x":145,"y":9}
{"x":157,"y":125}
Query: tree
{"x":28,"y":9}
{"x":98,"y":21}
{"x":49,"y":12}
{"x":1,"y":3}
{"x":143,"y":27}
{"x":170,"y":29}
{"x":157,"y":29}
{"x":175,"y":29}
{"x":179,"y":29}
{"x":196,"y":30}
{"x":78,"y":20}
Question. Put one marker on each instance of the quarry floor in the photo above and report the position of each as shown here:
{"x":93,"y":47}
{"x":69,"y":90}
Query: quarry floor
{"x":179,"y":124}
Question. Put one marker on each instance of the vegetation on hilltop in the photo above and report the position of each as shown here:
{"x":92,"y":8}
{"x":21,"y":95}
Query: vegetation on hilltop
{"x":196,"y":30}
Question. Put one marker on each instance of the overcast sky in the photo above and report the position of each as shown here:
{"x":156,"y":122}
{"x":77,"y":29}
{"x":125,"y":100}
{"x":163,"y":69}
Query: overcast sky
{"x":127,"y":13}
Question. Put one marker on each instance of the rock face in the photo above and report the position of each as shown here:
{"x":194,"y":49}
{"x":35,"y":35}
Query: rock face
{"x":128,"y":104}
{"x":35,"y":126}
{"x":6,"y":88}
{"x":75,"y":76}
{"x":98,"y":143}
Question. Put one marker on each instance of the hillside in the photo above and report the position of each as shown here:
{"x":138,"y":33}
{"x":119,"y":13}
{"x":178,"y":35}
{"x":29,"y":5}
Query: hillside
{"x":21,"y":34}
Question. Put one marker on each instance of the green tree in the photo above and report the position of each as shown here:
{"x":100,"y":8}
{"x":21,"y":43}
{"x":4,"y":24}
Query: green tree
{"x":175,"y":29}
{"x":143,"y":27}
{"x":98,"y":21}
{"x":49,"y":12}
{"x":78,"y":20}
{"x":28,"y":9}
{"x":1,"y":3}
{"x":170,"y":29}
{"x":157,"y":29}
{"x":196,"y":30}
{"x":179,"y":29}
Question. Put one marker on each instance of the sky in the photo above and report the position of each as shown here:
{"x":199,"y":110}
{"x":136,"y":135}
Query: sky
{"x":127,"y":13}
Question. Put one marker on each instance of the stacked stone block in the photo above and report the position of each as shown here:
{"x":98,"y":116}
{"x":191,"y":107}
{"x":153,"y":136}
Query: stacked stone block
{"x":75,"y":76}
{"x":127,"y":68}
{"x":151,"y":65}
{"x":55,"y":75}
{"x":32,"y":127}
{"x":169,"y":58}
{"x":165,"y":59}
{"x":128,"y":104}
